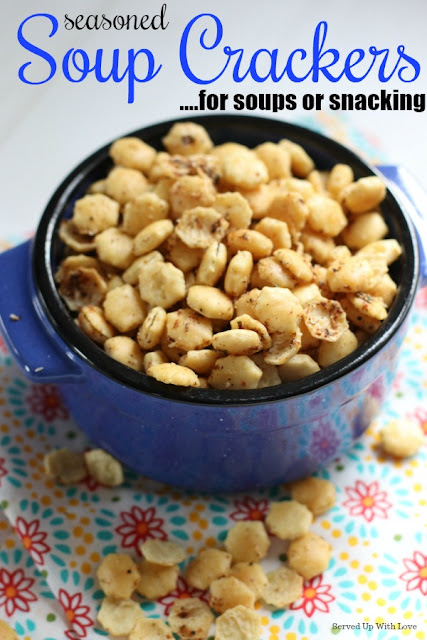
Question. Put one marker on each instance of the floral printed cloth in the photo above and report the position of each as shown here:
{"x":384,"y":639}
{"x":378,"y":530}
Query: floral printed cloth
{"x":53,"y":537}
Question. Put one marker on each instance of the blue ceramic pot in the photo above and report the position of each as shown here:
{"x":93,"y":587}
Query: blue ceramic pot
{"x":208,"y":440}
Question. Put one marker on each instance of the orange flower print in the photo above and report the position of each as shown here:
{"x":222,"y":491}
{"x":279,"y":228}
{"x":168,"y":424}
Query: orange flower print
{"x":138,"y":525}
{"x":249,"y":509}
{"x":32,"y":538}
{"x":15,"y":591}
{"x":416,"y":574}
{"x":367,"y":500}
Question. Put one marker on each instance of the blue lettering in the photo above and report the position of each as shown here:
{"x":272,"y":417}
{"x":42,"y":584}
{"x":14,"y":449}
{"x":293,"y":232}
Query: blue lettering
{"x":183,"y":56}
{"x":130,"y":69}
{"x":274,"y":76}
{"x":74,"y":54}
{"x":273,"y":57}
{"x":77,"y":65}
{"x":289,"y":70}
{"x":318,"y":42}
{"x":78,"y":59}
{"x":382,"y":77}
{"x":349,"y":64}
{"x":231,"y":52}
{"x":414,"y":63}
{"x":115,"y":64}
{"x":36,"y":50}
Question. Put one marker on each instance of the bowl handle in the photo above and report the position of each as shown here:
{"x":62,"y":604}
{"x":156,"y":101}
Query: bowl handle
{"x":414,"y":200}
{"x":38,"y":350}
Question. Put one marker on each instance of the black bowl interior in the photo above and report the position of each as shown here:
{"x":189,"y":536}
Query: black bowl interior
{"x":250,"y":131}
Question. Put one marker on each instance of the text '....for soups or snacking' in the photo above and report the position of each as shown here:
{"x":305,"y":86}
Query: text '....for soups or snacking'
{"x":202,"y":43}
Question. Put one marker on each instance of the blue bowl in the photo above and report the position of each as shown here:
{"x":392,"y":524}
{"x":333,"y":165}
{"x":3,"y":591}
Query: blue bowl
{"x":203,"y":439}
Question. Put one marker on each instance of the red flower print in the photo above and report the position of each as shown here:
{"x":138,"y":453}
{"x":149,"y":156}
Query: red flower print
{"x":44,"y":400}
{"x":397,"y":382}
{"x":91,"y":483}
{"x":416,"y":574}
{"x":367,"y":500}
{"x":249,"y":509}
{"x":138,"y":526}
{"x":421,"y":299}
{"x":420,"y":415}
{"x":76,"y":614}
{"x":32,"y":539}
{"x":3,"y":347}
{"x":15,"y":593}
{"x":315,"y":597}
{"x":182,"y":590}
{"x":3,"y":470}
